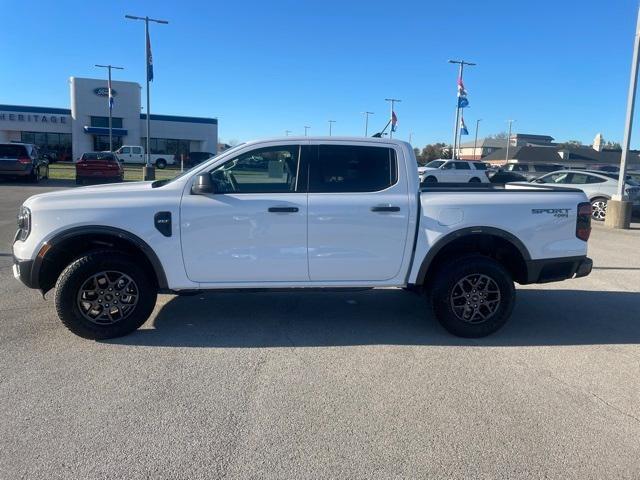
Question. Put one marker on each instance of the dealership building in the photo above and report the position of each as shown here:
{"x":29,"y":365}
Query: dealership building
{"x":85,"y":126}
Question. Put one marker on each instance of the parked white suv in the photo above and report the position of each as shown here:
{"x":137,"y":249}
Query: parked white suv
{"x":299,"y":212}
{"x":454,"y":171}
{"x":599,"y":187}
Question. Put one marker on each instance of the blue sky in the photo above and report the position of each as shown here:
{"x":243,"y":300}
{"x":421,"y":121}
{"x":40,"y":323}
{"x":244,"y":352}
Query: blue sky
{"x":556,"y":67}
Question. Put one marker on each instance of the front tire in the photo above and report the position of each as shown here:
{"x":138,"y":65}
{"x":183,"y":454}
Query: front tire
{"x":161,"y":163}
{"x":431,"y":179}
{"x":474,"y":180}
{"x":104,"y":295}
{"x":599,"y":209}
{"x":472,"y":296}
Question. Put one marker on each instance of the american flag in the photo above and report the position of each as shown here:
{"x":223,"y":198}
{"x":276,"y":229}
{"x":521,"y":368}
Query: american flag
{"x":394,"y":121}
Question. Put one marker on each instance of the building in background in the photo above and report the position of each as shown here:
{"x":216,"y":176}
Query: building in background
{"x":85,"y":126}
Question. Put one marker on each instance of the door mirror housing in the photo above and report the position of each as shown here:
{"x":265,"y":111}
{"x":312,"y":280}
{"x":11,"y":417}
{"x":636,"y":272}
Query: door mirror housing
{"x":203,"y":185}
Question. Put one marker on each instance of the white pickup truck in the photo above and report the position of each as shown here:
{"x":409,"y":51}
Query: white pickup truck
{"x":135,"y":154}
{"x":299,"y":213}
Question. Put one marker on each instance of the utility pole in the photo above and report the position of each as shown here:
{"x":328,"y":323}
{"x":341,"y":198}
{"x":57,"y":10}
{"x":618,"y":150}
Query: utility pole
{"x":366,"y":122}
{"x":306,"y":128}
{"x":506,"y":157}
{"x":475,"y":142}
{"x":287,"y":132}
{"x":331,"y":122}
{"x":410,"y":136}
{"x":461,"y":64}
{"x":393,"y":102}
{"x":619,"y":208}
{"x":148,"y":171}
{"x":110,"y":100}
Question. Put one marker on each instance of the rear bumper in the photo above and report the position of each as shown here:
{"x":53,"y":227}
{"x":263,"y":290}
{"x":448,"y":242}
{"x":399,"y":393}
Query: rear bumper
{"x":556,"y":269}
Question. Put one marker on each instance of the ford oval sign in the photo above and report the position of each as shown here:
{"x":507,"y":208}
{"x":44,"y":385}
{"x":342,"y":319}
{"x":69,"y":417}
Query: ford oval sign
{"x":103,"y":91}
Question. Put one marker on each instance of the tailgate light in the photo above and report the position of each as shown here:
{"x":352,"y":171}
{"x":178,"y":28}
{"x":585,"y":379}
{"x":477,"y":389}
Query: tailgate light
{"x":24,"y":160}
{"x":583,"y":221}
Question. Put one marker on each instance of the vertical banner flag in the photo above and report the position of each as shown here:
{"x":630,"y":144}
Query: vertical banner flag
{"x":463,"y":127}
{"x":462,"y":95}
{"x":394,"y":121}
{"x":149,"y":60}
{"x":110,"y":96}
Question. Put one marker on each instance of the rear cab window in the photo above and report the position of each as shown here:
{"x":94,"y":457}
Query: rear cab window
{"x":352,"y":168}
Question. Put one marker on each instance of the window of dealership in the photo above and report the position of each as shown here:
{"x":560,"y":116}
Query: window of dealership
{"x":85,"y":126}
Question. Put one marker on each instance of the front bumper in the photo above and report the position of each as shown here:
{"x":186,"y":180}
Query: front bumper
{"x":23,"y":271}
{"x":556,"y":269}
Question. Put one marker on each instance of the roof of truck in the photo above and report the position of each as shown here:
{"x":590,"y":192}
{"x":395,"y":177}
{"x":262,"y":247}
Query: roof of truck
{"x":302,"y":138}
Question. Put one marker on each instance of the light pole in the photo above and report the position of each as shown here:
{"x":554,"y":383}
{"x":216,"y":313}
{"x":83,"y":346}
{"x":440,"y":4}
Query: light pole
{"x":306,"y":128}
{"x":461,"y":64}
{"x":410,"y":136}
{"x":148,"y":172}
{"x":619,"y":208}
{"x":366,"y":122}
{"x":287,"y":132}
{"x":110,"y":100}
{"x":331,"y":122}
{"x":475,"y":142}
{"x":506,"y":157}
{"x":393,"y":101}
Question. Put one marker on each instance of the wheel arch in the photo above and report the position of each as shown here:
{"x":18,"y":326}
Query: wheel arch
{"x":495,"y":243}
{"x":66,"y":246}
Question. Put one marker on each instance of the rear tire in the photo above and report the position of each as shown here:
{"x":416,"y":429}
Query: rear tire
{"x":599,"y":209}
{"x":431,"y":179}
{"x":161,"y":163}
{"x":104,"y":295}
{"x":474,"y":180}
{"x":472,"y":296}
{"x":34,"y":176}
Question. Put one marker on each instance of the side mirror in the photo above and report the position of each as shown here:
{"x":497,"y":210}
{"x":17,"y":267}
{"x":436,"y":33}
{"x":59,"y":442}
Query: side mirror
{"x":203,"y":185}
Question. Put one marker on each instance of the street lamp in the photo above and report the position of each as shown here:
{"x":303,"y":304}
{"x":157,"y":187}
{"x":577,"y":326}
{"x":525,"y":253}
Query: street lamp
{"x":475,"y":142}
{"x":331,"y":122}
{"x":110,"y":100}
{"x":306,"y":128}
{"x":148,"y":171}
{"x":366,"y":122}
{"x":287,"y":132}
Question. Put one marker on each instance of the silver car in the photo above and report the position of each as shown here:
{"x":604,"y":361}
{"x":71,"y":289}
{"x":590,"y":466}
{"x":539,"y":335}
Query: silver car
{"x":599,"y":187}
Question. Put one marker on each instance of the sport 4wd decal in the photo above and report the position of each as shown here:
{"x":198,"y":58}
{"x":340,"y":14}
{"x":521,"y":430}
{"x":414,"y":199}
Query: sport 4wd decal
{"x":556,"y":212}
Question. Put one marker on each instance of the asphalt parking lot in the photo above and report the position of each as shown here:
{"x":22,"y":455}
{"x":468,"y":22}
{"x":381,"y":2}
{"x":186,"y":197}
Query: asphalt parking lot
{"x":327,"y":385}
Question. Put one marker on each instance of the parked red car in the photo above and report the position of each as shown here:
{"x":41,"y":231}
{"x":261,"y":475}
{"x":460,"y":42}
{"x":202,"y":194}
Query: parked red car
{"x":99,"y":166}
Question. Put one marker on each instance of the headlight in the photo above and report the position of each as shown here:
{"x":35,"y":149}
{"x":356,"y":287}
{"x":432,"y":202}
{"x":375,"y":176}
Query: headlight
{"x":24,"y":223}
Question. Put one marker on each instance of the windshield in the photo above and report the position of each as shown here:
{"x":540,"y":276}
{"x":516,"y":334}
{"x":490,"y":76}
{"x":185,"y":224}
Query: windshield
{"x":160,"y":183}
{"x":435,"y":163}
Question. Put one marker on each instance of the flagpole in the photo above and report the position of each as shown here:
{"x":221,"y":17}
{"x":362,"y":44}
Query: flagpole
{"x":109,"y":100}
{"x":393,"y":102}
{"x":456,"y":129}
{"x":148,"y":172}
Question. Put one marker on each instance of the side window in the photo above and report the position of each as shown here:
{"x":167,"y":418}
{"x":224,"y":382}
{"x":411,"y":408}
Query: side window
{"x":448,"y":166}
{"x":347,"y":168}
{"x":136,"y":150}
{"x":266,"y":170}
{"x":594,"y":179}
{"x":126,"y":150}
{"x":480,"y":165}
{"x":462,"y":166}
{"x":579,"y":178}
{"x":562,"y":177}
{"x":518,"y":167}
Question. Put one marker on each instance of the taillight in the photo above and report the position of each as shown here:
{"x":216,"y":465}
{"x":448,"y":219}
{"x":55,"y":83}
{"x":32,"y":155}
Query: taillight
{"x":24,"y":160}
{"x":583,"y":222}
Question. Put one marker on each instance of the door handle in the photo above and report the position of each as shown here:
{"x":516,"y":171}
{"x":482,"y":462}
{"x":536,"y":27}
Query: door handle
{"x":283,"y":209}
{"x":385,"y":208}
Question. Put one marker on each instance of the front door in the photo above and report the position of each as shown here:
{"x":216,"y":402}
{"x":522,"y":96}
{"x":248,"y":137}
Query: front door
{"x":254,"y":228}
{"x":358,"y":213}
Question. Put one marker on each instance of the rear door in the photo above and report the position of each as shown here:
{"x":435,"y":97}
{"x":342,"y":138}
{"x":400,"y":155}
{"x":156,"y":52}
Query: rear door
{"x":358,"y":212}
{"x":137,"y":154}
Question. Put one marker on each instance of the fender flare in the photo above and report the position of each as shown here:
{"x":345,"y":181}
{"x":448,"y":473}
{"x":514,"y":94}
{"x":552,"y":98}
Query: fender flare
{"x":65,"y":235}
{"x":463,"y":232}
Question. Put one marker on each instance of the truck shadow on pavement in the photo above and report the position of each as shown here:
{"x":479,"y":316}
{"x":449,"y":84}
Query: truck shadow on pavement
{"x":382,"y":317}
